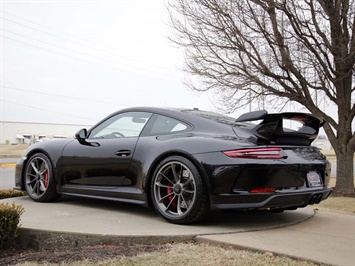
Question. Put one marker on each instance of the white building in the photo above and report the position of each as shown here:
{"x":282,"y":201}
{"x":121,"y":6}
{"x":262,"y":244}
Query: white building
{"x":25,"y":132}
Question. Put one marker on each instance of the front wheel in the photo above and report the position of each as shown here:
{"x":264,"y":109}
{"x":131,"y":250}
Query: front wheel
{"x":178,"y":192}
{"x":39,"y":179}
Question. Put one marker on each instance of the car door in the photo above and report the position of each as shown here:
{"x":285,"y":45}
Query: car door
{"x":105,"y":156}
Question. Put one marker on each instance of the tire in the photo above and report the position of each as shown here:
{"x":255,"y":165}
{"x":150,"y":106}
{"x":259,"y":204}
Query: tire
{"x":39,"y":179}
{"x":178,"y":192}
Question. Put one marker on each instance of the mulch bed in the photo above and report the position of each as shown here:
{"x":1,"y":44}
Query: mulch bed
{"x":92,"y":253}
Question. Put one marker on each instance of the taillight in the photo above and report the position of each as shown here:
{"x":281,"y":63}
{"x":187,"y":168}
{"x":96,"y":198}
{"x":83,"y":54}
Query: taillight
{"x":256,"y":153}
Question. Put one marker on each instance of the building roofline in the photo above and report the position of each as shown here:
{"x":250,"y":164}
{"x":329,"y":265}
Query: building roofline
{"x":42,"y":123}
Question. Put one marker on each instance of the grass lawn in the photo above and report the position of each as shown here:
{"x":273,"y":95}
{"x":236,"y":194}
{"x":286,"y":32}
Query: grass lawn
{"x":194,"y":254}
{"x":344,"y":205}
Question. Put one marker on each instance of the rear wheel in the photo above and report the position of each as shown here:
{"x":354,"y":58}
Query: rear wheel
{"x":39,"y":179}
{"x":178,"y":192}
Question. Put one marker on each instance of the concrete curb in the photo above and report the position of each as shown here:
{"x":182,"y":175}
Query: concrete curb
{"x":51,"y":240}
{"x":241,"y":247}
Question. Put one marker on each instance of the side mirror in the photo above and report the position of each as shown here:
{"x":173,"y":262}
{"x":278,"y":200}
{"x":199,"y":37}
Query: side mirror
{"x":81,"y":135}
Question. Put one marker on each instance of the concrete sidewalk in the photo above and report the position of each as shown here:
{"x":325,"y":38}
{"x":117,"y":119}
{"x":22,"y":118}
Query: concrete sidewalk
{"x":326,"y":238}
{"x":305,"y":233}
{"x":102,"y":217}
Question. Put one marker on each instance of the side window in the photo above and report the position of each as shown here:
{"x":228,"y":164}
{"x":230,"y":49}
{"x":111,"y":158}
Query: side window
{"x":164,"y":125}
{"x":122,"y":125}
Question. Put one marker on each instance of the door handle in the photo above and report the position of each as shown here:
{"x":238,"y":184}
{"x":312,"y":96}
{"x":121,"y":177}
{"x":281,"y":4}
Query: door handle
{"x":123,"y":153}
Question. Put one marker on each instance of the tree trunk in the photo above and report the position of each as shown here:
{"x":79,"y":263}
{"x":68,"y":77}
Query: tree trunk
{"x":345,"y":167}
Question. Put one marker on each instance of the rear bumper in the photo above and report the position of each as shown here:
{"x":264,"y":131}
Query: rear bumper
{"x":282,"y":200}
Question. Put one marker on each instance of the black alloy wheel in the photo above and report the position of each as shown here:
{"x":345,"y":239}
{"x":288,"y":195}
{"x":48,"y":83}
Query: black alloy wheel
{"x":178,"y":191}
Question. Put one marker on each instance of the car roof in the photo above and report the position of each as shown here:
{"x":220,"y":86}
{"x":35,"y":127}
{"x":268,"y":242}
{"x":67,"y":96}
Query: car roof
{"x":204,"y":121}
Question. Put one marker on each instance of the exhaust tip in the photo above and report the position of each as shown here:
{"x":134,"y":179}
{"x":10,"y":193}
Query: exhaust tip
{"x":313,"y":200}
{"x":319,"y":198}
{"x":316,"y":199}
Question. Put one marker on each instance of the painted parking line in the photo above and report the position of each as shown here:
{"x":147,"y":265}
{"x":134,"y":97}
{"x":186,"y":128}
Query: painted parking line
{"x":7,"y":165}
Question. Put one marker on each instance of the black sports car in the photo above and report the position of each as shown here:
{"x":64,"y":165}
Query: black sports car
{"x":184,"y":162}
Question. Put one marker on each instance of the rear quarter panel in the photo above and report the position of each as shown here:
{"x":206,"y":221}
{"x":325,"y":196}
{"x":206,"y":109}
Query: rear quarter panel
{"x":151,"y":150}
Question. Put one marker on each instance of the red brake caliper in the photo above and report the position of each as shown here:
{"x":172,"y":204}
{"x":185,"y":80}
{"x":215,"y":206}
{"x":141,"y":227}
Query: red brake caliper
{"x":46,"y":179}
{"x":170,"y":190}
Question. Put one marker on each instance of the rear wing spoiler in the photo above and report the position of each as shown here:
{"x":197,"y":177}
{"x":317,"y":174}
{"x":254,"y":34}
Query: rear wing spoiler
{"x":273,"y":129}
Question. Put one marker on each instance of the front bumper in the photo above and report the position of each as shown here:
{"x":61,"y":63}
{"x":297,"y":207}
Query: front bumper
{"x":18,"y":176}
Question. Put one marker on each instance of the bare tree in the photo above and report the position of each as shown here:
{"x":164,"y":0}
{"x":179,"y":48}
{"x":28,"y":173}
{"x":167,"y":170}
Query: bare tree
{"x":277,"y":50}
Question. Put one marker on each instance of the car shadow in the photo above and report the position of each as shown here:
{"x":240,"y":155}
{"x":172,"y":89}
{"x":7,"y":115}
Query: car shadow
{"x":108,"y":205}
{"x":230,"y":220}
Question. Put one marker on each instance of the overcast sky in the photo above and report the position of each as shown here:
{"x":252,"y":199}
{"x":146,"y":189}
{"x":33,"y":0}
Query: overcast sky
{"x":77,"y":61}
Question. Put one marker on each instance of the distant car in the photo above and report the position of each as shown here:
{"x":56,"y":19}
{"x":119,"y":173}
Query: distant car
{"x":183,"y":162}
